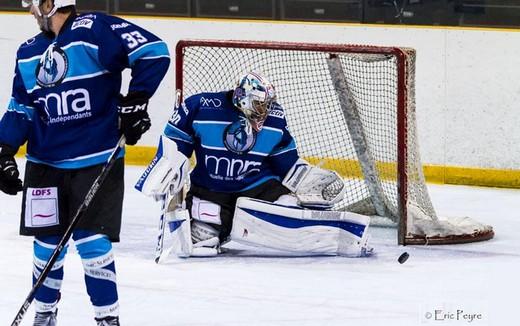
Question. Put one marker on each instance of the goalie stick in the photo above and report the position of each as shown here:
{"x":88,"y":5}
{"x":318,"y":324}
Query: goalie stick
{"x":80,"y":212}
{"x":160,"y":234}
{"x":168,"y":203}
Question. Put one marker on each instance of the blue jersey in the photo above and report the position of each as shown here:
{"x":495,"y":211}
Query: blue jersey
{"x":231,"y":156}
{"x":65,"y":90}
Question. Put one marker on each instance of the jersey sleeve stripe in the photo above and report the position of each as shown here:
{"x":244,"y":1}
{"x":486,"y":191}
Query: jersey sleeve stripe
{"x":156,"y":57}
{"x":27,"y":70}
{"x":173,"y":132}
{"x":16,"y":107}
{"x":273,"y":129}
{"x":288,"y":148}
{"x":153,"y":49}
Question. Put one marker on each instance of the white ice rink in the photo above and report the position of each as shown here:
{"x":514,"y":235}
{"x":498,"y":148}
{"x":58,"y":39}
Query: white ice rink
{"x":481,"y":279}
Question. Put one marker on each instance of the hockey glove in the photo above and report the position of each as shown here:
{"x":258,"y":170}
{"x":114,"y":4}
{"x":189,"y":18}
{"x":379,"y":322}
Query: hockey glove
{"x":313,"y":186}
{"x":9,"y":181}
{"x":134,"y":117}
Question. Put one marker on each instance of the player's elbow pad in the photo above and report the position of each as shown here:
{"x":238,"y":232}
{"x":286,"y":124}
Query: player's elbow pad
{"x":314,"y":186}
{"x":167,"y":171}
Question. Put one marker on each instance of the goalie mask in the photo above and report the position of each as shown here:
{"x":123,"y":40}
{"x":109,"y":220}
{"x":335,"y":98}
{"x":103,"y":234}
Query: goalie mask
{"x":254,"y":96}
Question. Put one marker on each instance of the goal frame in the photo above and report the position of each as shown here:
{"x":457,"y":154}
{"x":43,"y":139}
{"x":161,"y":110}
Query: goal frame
{"x":402,"y":97}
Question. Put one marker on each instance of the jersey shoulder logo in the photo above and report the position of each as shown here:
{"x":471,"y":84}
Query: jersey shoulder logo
{"x":212,"y":103}
{"x":239,"y":137}
{"x":83,"y":23}
{"x":277,"y":114}
{"x":120,"y":25}
{"x":52,"y":68}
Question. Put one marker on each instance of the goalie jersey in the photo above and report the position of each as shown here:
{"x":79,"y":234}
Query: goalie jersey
{"x":65,"y":90}
{"x":231,"y":156}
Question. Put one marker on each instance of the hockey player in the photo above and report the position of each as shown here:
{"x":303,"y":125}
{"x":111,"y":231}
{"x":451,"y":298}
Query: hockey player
{"x":66,"y":105}
{"x":243,"y":148}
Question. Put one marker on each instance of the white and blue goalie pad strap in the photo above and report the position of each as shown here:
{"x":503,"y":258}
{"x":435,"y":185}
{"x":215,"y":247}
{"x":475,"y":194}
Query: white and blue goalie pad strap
{"x":299,"y":230}
{"x":314,"y":186}
{"x":168,"y":170}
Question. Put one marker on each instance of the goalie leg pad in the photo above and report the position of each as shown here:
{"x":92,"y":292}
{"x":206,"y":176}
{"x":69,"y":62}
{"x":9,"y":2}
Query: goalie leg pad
{"x":304,"y":231}
{"x":205,"y":240}
{"x":204,"y":232}
{"x":195,"y":239}
{"x":180,"y":230}
{"x":205,"y":211}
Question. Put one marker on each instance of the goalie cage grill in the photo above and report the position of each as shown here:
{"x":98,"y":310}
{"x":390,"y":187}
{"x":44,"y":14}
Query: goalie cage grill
{"x":351,"y":109}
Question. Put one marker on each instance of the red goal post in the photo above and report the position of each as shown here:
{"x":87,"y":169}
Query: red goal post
{"x":351,"y":108}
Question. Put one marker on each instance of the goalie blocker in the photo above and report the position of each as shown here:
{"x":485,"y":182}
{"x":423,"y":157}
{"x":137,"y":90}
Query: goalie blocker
{"x":168,"y":171}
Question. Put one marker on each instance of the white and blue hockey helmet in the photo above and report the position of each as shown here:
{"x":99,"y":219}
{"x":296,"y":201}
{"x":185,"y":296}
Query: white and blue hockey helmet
{"x":254,"y":96}
{"x":57,"y":5}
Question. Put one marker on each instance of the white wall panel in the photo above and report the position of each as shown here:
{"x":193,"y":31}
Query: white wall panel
{"x":467,"y":86}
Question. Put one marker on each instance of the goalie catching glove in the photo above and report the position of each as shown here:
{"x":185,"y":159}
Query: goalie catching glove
{"x":314,"y":186}
{"x":167,"y":171}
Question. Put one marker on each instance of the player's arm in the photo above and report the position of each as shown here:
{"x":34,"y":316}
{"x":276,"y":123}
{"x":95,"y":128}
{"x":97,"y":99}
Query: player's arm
{"x":14,"y":128}
{"x":125,"y":45}
{"x":169,"y":168}
{"x":313,"y":186}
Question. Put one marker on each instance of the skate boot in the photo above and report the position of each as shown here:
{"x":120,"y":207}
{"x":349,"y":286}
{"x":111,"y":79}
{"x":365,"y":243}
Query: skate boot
{"x":45,"y":318}
{"x":108,"y":321}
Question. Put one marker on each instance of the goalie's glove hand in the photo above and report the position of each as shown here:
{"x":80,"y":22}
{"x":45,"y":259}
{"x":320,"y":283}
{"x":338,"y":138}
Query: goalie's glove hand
{"x":313,"y":186}
{"x":9,"y":181}
{"x":134,"y":116}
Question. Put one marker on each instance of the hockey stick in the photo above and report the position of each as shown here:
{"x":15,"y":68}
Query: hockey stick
{"x":66,"y":236}
{"x":160,"y":235}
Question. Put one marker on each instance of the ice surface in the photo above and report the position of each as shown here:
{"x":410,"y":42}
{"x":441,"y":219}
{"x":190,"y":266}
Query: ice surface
{"x":249,"y":289}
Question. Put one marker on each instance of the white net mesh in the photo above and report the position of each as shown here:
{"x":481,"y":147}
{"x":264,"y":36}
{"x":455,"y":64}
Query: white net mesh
{"x":321,"y":127}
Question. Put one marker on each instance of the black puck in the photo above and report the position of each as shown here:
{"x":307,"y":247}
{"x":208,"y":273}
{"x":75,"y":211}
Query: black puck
{"x":404,"y":257}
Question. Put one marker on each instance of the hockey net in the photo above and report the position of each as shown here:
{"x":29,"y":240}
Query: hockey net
{"x":351,"y":109}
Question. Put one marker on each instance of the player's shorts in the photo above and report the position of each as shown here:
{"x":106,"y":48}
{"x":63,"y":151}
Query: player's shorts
{"x":270,"y":190}
{"x":52,"y":196}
